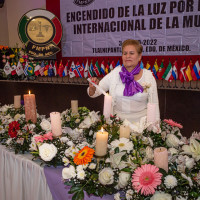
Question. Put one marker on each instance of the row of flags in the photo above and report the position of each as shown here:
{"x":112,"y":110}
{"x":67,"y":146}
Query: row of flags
{"x":169,"y":73}
{"x":50,"y":69}
{"x":172,"y":72}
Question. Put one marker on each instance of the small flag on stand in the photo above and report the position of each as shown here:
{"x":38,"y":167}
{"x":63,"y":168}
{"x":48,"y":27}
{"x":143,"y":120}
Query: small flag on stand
{"x":160,"y":71}
{"x":30,"y":69}
{"x":195,"y":71}
{"x":148,"y":66}
{"x":141,"y":65}
{"x":155,"y":69}
{"x":175,"y":71}
{"x":19,"y":69}
{"x":71,"y":70}
{"x":86,"y":70}
{"x":168,"y":73}
{"x":42,"y":69}
{"x":13,"y":69}
{"x":102,"y":68}
{"x":37,"y":69}
{"x":181,"y":76}
{"x":7,"y":69}
{"x":188,"y":72}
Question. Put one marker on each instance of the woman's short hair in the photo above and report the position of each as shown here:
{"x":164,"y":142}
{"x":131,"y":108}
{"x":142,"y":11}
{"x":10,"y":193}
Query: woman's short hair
{"x":135,"y":43}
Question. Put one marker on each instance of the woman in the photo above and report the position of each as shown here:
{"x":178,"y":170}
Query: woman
{"x":130,"y":86}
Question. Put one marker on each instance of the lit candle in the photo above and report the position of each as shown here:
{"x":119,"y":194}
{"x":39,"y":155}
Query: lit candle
{"x":30,"y":107}
{"x":17,"y":101}
{"x":56,"y":124}
{"x":74,"y":106}
{"x":124,"y":131}
{"x":161,"y":158}
{"x":107,"y":106}
{"x":151,"y":112}
{"x":101,"y":143}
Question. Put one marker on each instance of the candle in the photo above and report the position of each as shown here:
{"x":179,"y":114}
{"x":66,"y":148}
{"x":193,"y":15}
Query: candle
{"x":107,"y":106}
{"x":161,"y":158}
{"x":30,"y":107}
{"x":151,"y":112}
{"x":74,"y":106}
{"x":101,"y":143}
{"x":56,"y":124}
{"x":124,"y":131}
{"x":17,"y":101}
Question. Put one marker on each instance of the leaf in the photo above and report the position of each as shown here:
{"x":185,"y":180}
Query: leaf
{"x":78,"y":195}
{"x":74,"y":189}
{"x":126,"y":170}
{"x":117,"y":150}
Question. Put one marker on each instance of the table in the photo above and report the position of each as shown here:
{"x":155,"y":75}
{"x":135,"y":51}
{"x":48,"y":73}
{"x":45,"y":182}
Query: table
{"x":21,"y":178}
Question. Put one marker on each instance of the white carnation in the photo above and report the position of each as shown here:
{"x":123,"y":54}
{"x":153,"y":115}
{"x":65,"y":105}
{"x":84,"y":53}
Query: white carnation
{"x":117,"y":196}
{"x":81,"y":174}
{"x":170,"y":181}
{"x":161,"y":196}
{"x":92,"y":166}
{"x":47,"y":151}
{"x":46,"y":125}
{"x":106,"y":176}
{"x":68,"y":172}
{"x":129,"y":194}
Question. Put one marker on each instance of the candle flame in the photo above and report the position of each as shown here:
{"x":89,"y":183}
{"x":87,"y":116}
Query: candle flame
{"x":29,"y":92}
{"x":102,"y":129}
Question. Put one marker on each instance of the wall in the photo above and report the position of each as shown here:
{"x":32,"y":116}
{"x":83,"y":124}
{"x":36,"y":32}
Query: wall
{"x":10,"y":15}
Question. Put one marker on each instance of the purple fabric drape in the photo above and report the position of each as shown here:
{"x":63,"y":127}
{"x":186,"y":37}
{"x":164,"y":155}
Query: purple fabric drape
{"x":60,"y":191}
{"x":131,"y":86}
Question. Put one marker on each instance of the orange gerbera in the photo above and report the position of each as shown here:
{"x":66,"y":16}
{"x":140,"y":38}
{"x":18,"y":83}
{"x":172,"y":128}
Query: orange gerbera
{"x":84,"y":156}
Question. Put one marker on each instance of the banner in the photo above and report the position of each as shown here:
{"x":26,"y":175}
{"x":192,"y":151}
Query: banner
{"x":98,"y":27}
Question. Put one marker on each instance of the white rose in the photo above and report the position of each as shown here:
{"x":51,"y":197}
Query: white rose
{"x":149,"y":153}
{"x":46,"y":125}
{"x":172,"y":141}
{"x":106,"y":176}
{"x":173,"y":151}
{"x":68,"y":172}
{"x":47,"y":151}
{"x":123,"y":179}
{"x":81,"y":174}
{"x":161,"y":196}
{"x":189,"y":162}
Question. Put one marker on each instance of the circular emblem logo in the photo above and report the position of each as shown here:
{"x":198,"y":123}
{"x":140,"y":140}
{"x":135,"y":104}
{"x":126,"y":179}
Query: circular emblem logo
{"x":83,"y":2}
{"x":41,"y":31}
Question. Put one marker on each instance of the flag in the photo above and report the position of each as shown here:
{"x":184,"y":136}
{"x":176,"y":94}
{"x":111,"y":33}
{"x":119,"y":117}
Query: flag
{"x":97,"y":69}
{"x":7,"y":69}
{"x":118,"y":64}
{"x":195,"y":71}
{"x":90,"y":71}
{"x":103,"y":68}
{"x":168,"y":73}
{"x":26,"y":68}
{"x":155,"y":69}
{"x":66,"y":71}
{"x":46,"y":68}
{"x":188,"y":72}
{"x":141,"y":65}
{"x":30,"y":69}
{"x":148,"y":66}
{"x":60,"y":69}
{"x":175,"y":71}
{"x":19,"y":69}
{"x":37,"y":69}
{"x":55,"y":68}
{"x":42,"y":69}
{"x":160,"y":71}
{"x":79,"y":70}
{"x":112,"y":65}
{"x":86,"y":70}
{"x":50,"y":70}
{"x":182,"y":72}
{"x":107,"y":69}
{"x":71,"y":70}
{"x":13,"y":69}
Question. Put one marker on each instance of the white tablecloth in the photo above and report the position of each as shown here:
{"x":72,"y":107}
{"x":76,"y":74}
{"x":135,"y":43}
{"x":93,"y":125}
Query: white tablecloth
{"x":21,"y":178}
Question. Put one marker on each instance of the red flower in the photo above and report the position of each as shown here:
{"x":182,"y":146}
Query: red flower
{"x":13,"y":128}
{"x":172,"y":123}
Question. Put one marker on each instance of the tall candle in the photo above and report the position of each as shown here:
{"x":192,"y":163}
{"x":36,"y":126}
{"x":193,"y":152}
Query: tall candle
{"x":124,"y":131}
{"x":30,"y":107}
{"x":101,"y":143}
{"x":107,"y":106}
{"x":17,"y":101}
{"x":56,"y":128}
{"x":161,"y":158}
{"x":74,"y":106}
{"x":151,"y":112}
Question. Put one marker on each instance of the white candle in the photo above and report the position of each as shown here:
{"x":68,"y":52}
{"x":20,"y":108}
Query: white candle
{"x":30,"y":107}
{"x":124,"y":131}
{"x":17,"y":101}
{"x":56,"y":124}
{"x":74,"y":106}
{"x":161,"y":158}
{"x":101,"y":143}
{"x":107,"y":106}
{"x":151,"y":112}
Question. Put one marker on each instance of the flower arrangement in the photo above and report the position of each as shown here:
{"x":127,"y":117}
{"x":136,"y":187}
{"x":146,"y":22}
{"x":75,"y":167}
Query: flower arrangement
{"x":127,"y":171}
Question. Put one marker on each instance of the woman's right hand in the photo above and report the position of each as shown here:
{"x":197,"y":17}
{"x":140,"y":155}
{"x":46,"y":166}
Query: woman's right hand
{"x":92,"y":88}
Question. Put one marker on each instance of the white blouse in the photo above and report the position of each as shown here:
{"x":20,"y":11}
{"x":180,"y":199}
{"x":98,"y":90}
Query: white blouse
{"x":133,"y":107}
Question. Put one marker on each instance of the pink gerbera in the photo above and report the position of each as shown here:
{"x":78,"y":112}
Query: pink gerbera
{"x":146,"y":178}
{"x":173,"y":123}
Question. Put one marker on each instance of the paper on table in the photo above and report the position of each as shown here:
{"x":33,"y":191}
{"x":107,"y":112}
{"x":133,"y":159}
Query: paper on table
{"x":98,"y":87}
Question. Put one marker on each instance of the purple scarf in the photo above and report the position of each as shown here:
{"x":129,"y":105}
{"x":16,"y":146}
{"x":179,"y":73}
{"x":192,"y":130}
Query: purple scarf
{"x":131,"y":86}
